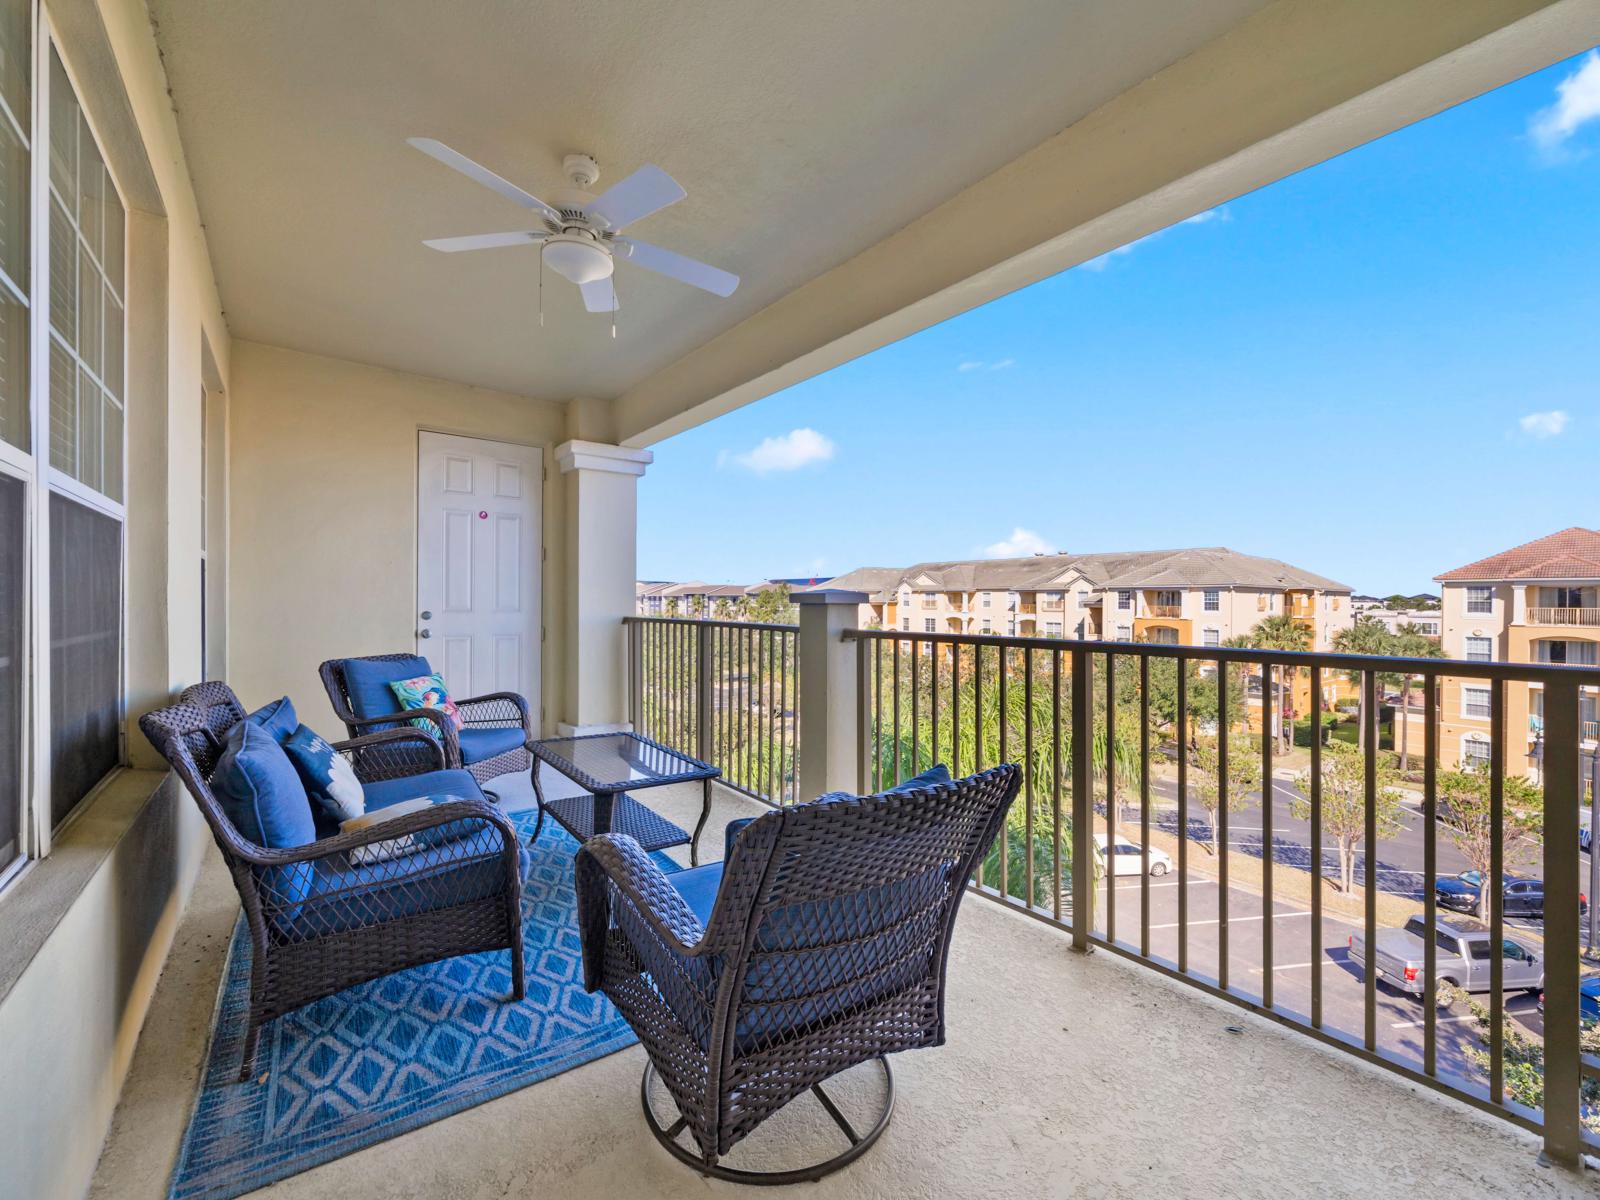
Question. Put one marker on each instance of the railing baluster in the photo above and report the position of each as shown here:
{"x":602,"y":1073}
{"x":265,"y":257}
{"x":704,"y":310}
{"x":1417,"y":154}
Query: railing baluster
{"x":1270,"y":710}
{"x":1563,"y":1065}
{"x":1111,"y":798}
{"x":1027,"y":771}
{"x":955,"y":710}
{"x":1219,"y":835}
{"x":1316,"y":847}
{"x":1055,"y":782}
{"x":877,"y":716}
{"x":935,"y":660}
{"x":1082,"y":800}
{"x":1005,"y":756}
{"x":1430,"y":875}
{"x":1494,"y":888}
{"x":1183,"y":813}
{"x":897,"y":775}
{"x":1144,"y":806}
{"x":1369,"y":735}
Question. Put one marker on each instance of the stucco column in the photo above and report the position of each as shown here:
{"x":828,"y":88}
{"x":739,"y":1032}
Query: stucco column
{"x":1519,"y":604}
{"x":830,"y":726}
{"x":601,"y":484}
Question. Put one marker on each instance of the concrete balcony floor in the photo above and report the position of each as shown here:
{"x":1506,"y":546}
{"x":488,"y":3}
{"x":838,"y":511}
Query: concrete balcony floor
{"x":1064,"y":1075}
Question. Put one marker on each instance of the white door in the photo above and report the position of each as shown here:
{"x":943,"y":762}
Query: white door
{"x":478,"y":551}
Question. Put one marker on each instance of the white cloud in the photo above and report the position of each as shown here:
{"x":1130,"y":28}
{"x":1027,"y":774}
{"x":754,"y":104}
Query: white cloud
{"x":790,"y":452}
{"x":1545,"y":424}
{"x":978,"y":364}
{"x":1102,"y":261}
{"x":1577,"y":103}
{"x":970,"y":365}
{"x":1021,"y":543}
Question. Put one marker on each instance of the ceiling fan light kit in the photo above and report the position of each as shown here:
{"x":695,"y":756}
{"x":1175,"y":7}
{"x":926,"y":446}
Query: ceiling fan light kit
{"x":581,"y":237}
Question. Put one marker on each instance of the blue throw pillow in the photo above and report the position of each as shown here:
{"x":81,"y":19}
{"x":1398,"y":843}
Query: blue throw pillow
{"x":261,"y":793}
{"x":932,"y":777}
{"x":330,"y":781}
{"x":367,"y":683}
{"x":276,"y":718}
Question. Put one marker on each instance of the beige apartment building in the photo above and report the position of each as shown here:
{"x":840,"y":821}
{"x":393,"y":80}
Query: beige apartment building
{"x":1538,"y":602}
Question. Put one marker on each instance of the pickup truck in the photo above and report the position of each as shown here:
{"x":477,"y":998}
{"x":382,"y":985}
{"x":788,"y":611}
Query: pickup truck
{"x":1462,"y":957}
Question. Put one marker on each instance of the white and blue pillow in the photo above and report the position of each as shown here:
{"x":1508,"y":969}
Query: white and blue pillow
{"x":330,"y":781}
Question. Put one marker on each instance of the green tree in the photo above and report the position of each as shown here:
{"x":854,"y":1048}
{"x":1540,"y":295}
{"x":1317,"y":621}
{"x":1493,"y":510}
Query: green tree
{"x":1243,"y":776}
{"x":1523,"y":1057}
{"x":1279,"y":632}
{"x":722,"y":610}
{"x":771,"y":605}
{"x":1410,"y":642}
{"x":1466,"y":816}
{"x":1367,"y":635}
{"x":1344,"y":804}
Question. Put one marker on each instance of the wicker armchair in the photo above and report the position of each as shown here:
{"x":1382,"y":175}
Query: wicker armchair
{"x":479,"y":714}
{"x":819,"y":944}
{"x":324,"y":916}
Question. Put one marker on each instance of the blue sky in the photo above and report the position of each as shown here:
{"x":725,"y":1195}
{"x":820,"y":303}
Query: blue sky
{"x":1380,"y":368}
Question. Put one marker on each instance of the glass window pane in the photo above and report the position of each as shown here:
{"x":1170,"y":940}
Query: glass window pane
{"x":63,"y":410}
{"x":111,"y":369}
{"x":16,"y":58}
{"x":85,"y":650}
{"x":91,"y":188}
{"x":63,"y":275}
{"x":13,"y":550}
{"x":13,"y":206}
{"x":63,"y":135}
{"x":90,"y":303}
{"x":14,"y":423}
{"x":116,"y":219}
{"x":112,"y":435}
{"x":89,"y":406}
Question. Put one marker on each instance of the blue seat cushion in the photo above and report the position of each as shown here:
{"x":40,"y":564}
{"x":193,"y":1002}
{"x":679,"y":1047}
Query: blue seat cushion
{"x":698,"y":887}
{"x":480,"y":744}
{"x":276,"y":718}
{"x":932,"y":777}
{"x":430,"y":783}
{"x":342,"y":898}
{"x":261,"y":794}
{"x":367,"y":685}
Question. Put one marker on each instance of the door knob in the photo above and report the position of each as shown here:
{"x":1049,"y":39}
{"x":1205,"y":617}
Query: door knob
{"x":423,"y":633}
{"x":427,"y":616}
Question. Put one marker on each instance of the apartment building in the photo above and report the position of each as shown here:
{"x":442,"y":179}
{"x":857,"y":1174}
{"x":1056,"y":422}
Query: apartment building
{"x":1427,"y":621}
{"x":1537,"y":602}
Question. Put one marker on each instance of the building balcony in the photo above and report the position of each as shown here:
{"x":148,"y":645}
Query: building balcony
{"x":1585,"y":617}
{"x":1165,"y":611}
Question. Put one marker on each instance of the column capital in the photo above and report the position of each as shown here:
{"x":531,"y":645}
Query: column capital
{"x":600,"y":456}
{"x":828,"y":596}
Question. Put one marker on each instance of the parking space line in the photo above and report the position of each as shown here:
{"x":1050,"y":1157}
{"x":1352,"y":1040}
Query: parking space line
{"x":1231,"y":920}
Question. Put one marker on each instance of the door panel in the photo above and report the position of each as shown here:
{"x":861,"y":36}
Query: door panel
{"x":478,"y":530}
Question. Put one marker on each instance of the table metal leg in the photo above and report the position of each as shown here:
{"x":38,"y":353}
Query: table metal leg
{"x":603,"y":802}
{"x":705,"y":812}
{"x":538,"y":795}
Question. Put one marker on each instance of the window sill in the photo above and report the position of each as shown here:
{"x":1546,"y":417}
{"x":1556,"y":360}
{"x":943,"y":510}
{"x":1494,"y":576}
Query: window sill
{"x":35,"y":902}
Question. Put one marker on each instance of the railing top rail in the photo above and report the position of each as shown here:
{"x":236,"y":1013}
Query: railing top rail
{"x":1432,"y":667}
{"x":643,"y":620}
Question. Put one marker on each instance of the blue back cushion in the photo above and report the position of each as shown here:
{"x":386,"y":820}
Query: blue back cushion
{"x":261,"y":793}
{"x":367,"y":684}
{"x":276,"y":718}
{"x":932,"y":777}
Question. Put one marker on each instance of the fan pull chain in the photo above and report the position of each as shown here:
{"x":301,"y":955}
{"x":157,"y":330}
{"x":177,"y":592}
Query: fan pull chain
{"x":613,"y":306}
{"x":541,"y":286}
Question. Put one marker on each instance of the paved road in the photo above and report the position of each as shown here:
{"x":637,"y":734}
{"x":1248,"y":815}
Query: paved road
{"x":1400,"y":1030}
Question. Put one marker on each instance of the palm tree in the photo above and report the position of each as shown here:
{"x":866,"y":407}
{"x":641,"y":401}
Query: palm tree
{"x":1367,"y":636}
{"x":1279,"y":632}
{"x":1410,"y":642}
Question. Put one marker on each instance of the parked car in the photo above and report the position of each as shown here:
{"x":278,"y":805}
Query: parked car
{"x":1462,"y":957}
{"x":1126,"y":857}
{"x":1588,"y":1000}
{"x":1519,"y":896}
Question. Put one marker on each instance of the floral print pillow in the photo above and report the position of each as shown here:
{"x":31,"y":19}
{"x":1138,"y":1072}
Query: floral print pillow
{"x":426,"y":691}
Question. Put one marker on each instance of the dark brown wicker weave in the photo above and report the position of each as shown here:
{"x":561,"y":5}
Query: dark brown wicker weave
{"x":494,"y":710}
{"x":462,"y":896}
{"x":826,"y":948}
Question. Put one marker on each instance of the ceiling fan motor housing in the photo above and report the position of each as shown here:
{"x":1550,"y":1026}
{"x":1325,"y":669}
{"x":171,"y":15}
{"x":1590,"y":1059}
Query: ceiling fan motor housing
{"x":578,"y":257}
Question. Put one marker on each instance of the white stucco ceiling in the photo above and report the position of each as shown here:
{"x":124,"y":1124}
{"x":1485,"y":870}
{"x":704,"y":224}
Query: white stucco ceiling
{"x":804,"y":133}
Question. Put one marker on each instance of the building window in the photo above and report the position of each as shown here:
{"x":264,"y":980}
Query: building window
{"x":1052,"y":629}
{"x":1475,"y":753}
{"x":1124,"y":633}
{"x":983,"y":598}
{"x":1480,"y":649}
{"x":1083,"y":599}
{"x":1475,"y":702}
{"x":905,"y":624}
{"x":1211,"y":637}
{"x":1261,"y":602}
{"x":1480,"y":599}
{"x":988,"y":625}
{"x":13,"y":673}
{"x":928,"y":624}
{"x":1213,"y":600}
{"x":1569,"y":653}
{"x":1124,"y":600}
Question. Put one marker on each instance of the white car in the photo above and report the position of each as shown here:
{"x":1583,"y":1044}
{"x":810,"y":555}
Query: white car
{"x":1126,"y":857}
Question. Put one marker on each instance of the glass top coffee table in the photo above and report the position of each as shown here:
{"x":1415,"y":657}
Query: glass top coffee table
{"x":609,"y":766}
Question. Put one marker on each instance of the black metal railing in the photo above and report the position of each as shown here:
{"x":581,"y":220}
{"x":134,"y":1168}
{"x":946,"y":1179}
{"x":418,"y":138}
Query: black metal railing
{"x":1229,"y":893}
{"x":724,"y":691}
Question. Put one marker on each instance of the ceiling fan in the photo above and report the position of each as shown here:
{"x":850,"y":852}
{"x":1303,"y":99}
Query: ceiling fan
{"x":580,"y":236}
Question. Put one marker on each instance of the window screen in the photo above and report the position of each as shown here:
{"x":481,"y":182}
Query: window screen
{"x":85,"y":650}
{"x":13,"y":552}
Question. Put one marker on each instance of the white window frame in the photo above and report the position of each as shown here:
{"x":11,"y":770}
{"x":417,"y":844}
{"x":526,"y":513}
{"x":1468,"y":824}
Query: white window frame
{"x":1471,"y":761}
{"x":1473,"y":600}
{"x":1211,"y":601}
{"x":1469,"y":702}
{"x":1124,"y":633}
{"x":1211,"y":636}
{"x":41,"y":480}
{"x":1471,"y":655}
{"x":1124,"y":599}
{"x":930,"y":625}
{"x":984,"y":599}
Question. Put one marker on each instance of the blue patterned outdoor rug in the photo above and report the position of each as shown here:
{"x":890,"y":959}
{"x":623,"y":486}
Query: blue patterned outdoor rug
{"x":400,"y":1052}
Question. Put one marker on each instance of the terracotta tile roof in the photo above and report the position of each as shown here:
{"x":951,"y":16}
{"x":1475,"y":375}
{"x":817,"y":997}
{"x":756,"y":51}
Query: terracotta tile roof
{"x":1570,"y":554}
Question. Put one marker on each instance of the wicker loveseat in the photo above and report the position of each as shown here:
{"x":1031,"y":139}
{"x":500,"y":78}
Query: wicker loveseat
{"x":495,"y":727}
{"x":819,"y":943}
{"x":348,"y":907}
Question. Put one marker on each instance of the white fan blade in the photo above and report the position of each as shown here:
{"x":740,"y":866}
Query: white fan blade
{"x":599,"y":296}
{"x":647,"y":190}
{"x":487,"y":241}
{"x":688,"y":270}
{"x":483,"y":175}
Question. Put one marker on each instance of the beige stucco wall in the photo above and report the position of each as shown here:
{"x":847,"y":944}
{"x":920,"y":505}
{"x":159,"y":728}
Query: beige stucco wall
{"x":322,"y":528}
